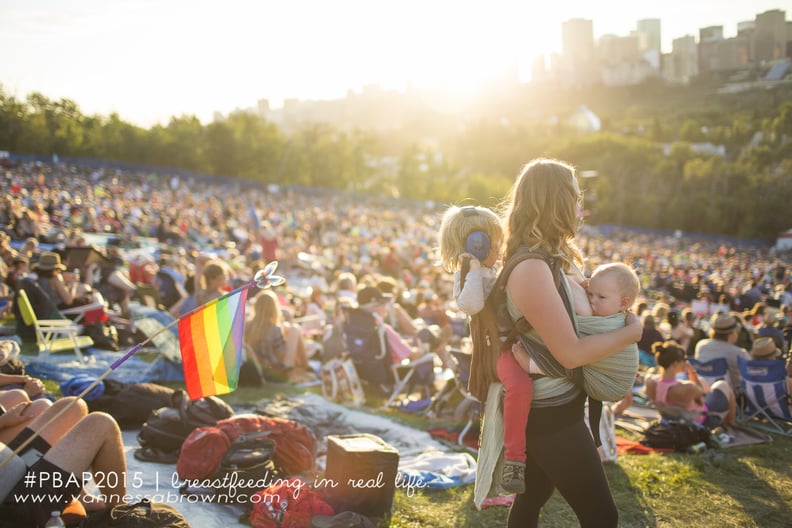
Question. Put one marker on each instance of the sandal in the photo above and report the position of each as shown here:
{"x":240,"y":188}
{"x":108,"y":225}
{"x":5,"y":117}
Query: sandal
{"x":152,"y":454}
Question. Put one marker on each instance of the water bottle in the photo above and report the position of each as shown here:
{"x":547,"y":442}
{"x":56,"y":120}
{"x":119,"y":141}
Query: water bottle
{"x":55,"y":520}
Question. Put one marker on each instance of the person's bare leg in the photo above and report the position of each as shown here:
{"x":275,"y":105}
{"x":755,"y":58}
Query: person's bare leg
{"x":731,"y":417}
{"x":11,"y":397}
{"x":54,"y":431}
{"x":95,"y":444}
{"x":32,"y":410}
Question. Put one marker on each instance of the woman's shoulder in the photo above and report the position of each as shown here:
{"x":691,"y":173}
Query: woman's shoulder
{"x":531,"y":266}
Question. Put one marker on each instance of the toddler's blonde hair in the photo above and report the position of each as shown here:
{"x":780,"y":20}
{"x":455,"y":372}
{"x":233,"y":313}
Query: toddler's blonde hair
{"x":458,"y":223}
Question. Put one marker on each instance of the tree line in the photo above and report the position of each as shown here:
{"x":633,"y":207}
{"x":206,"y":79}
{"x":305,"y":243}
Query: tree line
{"x":648,"y":165}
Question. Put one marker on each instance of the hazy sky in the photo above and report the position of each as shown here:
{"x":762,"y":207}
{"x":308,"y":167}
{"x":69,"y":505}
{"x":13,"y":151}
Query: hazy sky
{"x":151,"y":59}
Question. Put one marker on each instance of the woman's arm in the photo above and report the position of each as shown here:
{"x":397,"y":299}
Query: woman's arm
{"x":533,"y":291}
{"x":66,"y":294}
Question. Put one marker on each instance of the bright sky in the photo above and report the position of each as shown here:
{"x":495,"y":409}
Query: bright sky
{"x":151,"y":59}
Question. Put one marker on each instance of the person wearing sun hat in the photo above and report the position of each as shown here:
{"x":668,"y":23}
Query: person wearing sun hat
{"x":62,"y":292}
{"x":765,"y":348}
{"x":769,"y":327}
{"x":48,"y":261}
{"x":724,"y":330}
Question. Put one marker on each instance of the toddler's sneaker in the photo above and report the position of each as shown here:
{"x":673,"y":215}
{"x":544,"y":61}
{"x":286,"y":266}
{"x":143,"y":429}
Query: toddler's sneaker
{"x":513,"y":478}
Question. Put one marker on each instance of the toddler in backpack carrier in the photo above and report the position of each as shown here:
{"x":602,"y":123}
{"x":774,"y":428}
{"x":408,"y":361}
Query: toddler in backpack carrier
{"x":470,"y":240}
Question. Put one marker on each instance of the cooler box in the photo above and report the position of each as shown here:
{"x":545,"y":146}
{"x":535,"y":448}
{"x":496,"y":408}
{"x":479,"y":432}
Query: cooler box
{"x":364,"y":468}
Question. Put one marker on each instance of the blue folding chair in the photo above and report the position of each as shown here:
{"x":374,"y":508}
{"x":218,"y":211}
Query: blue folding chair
{"x":767,"y":398}
{"x":712,"y":370}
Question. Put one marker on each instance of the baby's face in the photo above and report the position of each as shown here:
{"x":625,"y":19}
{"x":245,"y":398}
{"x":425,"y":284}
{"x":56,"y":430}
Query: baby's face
{"x":604,"y":295}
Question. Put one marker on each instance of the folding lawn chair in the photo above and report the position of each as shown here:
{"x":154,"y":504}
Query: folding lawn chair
{"x":52,"y":335}
{"x":712,"y":370}
{"x":767,"y":398}
{"x":370,"y":353}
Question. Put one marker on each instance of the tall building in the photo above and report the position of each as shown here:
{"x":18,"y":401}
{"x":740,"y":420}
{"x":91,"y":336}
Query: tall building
{"x":578,"y":52}
{"x":648,"y":31}
{"x":681,"y":65}
{"x":746,"y":30}
{"x":709,"y":39}
{"x":770,"y":36}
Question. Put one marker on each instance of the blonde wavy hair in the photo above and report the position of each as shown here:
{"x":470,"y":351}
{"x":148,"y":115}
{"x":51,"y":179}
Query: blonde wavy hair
{"x":541,"y":211}
{"x":457,"y":224}
{"x":266,"y":314}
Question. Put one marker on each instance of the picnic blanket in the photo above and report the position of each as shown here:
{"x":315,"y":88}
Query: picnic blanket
{"x":638,"y":417}
{"x":62,"y":367}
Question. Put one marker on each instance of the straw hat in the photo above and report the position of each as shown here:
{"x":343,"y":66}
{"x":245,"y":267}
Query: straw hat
{"x":765,"y":348}
{"x":48,"y":260}
{"x":724,"y":324}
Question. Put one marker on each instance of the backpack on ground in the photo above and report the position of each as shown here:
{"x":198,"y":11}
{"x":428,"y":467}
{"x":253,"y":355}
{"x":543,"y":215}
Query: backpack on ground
{"x":166,"y":428}
{"x":201,"y":453}
{"x":131,"y":403}
{"x":143,"y":514}
{"x":298,"y":505}
{"x":104,"y":335}
{"x":249,"y":457}
{"x":163,"y":430}
{"x":295,"y":444}
{"x":674,"y":434}
{"x":203,"y":411}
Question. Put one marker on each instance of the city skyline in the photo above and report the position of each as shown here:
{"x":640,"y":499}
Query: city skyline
{"x":149,"y":61}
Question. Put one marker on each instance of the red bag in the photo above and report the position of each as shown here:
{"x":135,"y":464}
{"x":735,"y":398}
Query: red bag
{"x":288,"y":504}
{"x":295,"y":445}
{"x":201,"y":453}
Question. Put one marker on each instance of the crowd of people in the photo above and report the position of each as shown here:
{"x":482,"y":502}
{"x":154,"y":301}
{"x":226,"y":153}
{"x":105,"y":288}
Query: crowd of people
{"x":185,"y":241}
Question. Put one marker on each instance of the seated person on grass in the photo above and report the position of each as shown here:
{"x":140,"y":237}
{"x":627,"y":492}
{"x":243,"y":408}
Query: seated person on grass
{"x":714,"y":406}
{"x":75,"y":442}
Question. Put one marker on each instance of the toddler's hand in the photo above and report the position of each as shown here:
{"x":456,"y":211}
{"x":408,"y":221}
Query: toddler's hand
{"x":474,"y":262}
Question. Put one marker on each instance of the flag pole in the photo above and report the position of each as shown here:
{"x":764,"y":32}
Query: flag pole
{"x":263,"y":279}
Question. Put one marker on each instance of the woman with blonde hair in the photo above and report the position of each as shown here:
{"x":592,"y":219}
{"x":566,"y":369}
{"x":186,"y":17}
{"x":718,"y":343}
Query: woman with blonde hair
{"x":271,"y":341}
{"x":542,"y":214}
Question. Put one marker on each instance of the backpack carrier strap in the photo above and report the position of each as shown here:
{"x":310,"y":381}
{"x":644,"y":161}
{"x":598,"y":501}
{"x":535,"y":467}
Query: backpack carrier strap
{"x":537,"y":350}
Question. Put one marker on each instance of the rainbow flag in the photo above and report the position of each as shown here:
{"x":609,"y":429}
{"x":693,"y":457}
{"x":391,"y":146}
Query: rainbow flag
{"x":210,"y":339}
